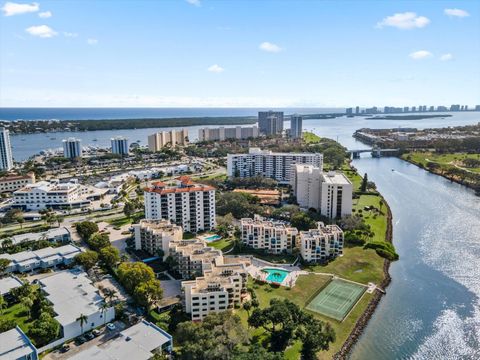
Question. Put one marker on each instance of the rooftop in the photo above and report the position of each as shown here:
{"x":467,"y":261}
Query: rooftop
{"x":9,"y":283}
{"x":72,"y":294}
{"x":217,"y":278}
{"x":258,"y":151}
{"x":136,"y":342}
{"x":14,"y":344}
{"x":337,"y":178}
{"x":44,"y":253}
{"x":49,"y":234}
{"x":160,"y":226}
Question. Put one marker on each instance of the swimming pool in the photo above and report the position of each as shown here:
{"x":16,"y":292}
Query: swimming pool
{"x":212,"y":238}
{"x":276,"y":275}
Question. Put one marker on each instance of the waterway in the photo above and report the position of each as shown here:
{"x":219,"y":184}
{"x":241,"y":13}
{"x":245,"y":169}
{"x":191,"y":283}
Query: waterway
{"x":432,"y":306}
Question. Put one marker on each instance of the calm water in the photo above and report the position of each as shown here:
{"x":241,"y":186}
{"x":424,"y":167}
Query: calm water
{"x":432,"y":307}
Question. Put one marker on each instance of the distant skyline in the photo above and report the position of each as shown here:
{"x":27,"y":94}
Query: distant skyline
{"x":206,"y":53}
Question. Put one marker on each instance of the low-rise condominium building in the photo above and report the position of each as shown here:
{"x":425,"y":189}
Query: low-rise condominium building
{"x":49,"y":257}
{"x":223,"y":133}
{"x":277,"y":166}
{"x":189,"y":205}
{"x":167,"y":138}
{"x":330,"y":193}
{"x":272,"y":236}
{"x":320,"y":244}
{"x":219,"y":289}
{"x":15,"y":345}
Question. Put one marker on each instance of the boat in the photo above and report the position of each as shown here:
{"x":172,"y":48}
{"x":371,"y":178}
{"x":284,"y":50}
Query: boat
{"x":95,"y":139}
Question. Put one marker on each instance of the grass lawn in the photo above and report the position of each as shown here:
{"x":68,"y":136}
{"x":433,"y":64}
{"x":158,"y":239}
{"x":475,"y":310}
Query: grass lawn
{"x":17,"y":313}
{"x":222,"y":244}
{"x":353,"y":176}
{"x":446,"y":160}
{"x":310,"y":137}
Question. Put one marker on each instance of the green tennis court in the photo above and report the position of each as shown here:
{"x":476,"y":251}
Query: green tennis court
{"x":336,"y":299}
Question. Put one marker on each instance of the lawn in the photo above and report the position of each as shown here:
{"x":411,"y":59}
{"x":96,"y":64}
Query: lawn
{"x":446,"y":160}
{"x":222,"y":244}
{"x":17,"y":313}
{"x":353,"y":176}
{"x":310,"y":137}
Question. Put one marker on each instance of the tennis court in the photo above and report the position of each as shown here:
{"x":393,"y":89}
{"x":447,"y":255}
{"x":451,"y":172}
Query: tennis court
{"x":337,"y":299}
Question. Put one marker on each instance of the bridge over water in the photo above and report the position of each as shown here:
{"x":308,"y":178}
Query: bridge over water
{"x":375,"y":152}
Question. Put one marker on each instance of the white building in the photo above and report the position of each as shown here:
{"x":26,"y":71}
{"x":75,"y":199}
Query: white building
{"x":138,"y":342}
{"x":45,"y":258}
{"x":218,"y":290}
{"x":317,"y":245}
{"x":72,"y":294}
{"x":57,"y":235}
{"x":8,"y":283}
{"x":53,"y":194}
{"x":151,"y":235}
{"x":6,"y":159}
{"x":330,"y":193}
{"x":119,"y":145}
{"x":296,"y":123}
{"x":72,"y":148}
{"x":272,"y":236}
{"x":15,"y":345}
{"x":278,"y":166}
{"x":172,"y":138}
{"x":190,"y":205}
{"x":223,"y":133}
{"x":11,"y":183}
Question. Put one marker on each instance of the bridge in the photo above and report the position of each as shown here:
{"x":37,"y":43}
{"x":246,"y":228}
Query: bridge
{"x":376,"y":152}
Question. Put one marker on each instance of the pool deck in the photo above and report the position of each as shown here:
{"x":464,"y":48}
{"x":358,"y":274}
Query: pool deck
{"x":257,"y":265}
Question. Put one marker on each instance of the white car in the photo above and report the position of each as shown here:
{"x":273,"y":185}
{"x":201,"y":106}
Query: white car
{"x":111,"y":326}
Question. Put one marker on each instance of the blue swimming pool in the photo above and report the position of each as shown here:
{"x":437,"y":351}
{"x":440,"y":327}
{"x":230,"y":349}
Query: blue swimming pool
{"x":212,"y":238}
{"x":276,"y":275}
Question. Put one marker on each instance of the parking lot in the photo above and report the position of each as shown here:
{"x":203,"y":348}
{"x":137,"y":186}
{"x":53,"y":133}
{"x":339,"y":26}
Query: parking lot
{"x":104,"y":336}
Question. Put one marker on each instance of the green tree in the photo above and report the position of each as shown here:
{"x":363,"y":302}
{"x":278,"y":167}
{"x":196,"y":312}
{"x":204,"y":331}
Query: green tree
{"x":132,"y":274}
{"x":83,"y":320}
{"x":240,"y":205}
{"x":44,"y":329}
{"x":85,"y":229}
{"x":27,"y":303}
{"x":148,"y":293}
{"x":257,"y":352}
{"x":104,"y":308}
{"x":87,"y":259}
{"x":129,"y":209}
{"x":302,"y":221}
{"x":316,"y":336}
{"x":110,"y":256}
{"x":3,"y":304}
{"x":363,"y":186}
{"x":4,"y":263}
{"x":98,"y":241}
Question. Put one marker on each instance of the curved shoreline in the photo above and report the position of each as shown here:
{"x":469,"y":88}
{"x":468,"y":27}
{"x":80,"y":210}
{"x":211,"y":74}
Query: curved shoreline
{"x":363,"y":320}
{"x":466,"y":184}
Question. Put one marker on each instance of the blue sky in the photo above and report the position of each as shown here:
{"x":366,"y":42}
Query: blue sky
{"x":239,"y":53}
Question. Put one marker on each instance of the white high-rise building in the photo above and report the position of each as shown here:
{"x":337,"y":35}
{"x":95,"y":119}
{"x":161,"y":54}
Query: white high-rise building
{"x":172,"y":138}
{"x":6,"y":159}
{"x":278,"y":166}
{"x":223,"y":133}
{"x":189,"y":205}
{"x":119,"y":145}
{"x":296,"y":123}
{"x":152,"y":235}
{"x":273,"y":236}
{"x":330,"y":193}
{"x":320,"y":244}
{"x":72,"y":148}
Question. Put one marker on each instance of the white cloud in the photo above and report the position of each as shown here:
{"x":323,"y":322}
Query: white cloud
{"x":216,"y":69}
{"x":269,"y":47}
{"x":45,"y":14}
{"x":404,"y":21}
{"x":92,"y":41}
{"x":70,"y":34}
{"x":11,"y":8}
{"x":446,"y":57}
{"x":194,"y":2}
{"x":456,"y":12}
{"x":42,"y":31}
{"x":421,"y":54}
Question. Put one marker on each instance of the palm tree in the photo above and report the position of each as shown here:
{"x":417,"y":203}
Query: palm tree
{"x":110,"y":294}
{"x":103,"y":308}
{"x":83,"y":320}
{"x":27,"y":303}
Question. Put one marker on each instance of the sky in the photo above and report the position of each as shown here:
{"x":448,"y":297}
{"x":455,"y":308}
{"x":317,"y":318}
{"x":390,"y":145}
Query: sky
{"x":212,"y":53}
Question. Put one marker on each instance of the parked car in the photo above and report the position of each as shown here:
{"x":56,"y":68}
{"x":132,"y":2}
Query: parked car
{"x":89,"y":336}
{"x":96,"y":332}
{"x":111,"y":326}
{"x":64,"y":348}
{"x":80,"y":340}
